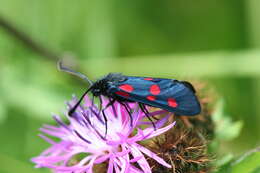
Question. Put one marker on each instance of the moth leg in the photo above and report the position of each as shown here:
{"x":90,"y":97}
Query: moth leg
{"x":92,"y":101}
{"x":103,"y":112}
{"x":128,"y":111}
{"x":105,"y":118}
{"x":113,"y":106}
{"x":100,"y":104}
{"x":146,"y":112}
{"x":111,"y":103}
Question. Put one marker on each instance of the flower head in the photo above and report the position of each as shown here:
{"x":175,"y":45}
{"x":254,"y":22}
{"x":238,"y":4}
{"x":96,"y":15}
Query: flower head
{"x":182,"y":147}
{"x":83,"y":144}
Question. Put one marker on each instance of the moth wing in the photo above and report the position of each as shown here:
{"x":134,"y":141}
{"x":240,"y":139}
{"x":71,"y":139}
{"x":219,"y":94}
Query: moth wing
{"x":172,"y":95}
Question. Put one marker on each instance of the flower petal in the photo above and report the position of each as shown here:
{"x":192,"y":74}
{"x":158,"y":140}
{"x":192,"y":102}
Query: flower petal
{"x":142,"y":162}
{"x":153,"y":155}
{"x":85,"y":134}
{"x":152,"y":133}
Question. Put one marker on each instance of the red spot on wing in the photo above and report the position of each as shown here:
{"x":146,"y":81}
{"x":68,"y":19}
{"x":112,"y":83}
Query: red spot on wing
{"x":148,"y":78}
{"x":172,"y":102}
{"x":126,"y":87}
{"x":121,"y":93}
{"x":151,"y":98}
{"x":155,"y":89}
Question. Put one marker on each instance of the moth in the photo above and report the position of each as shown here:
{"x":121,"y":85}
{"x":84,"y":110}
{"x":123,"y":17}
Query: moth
{"x":172,"y":95}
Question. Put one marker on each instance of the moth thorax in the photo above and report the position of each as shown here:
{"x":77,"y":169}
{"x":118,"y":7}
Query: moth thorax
{"x":99,"y":88}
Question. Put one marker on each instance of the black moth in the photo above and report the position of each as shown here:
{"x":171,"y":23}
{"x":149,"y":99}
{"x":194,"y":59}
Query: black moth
{"x":168,"y":94}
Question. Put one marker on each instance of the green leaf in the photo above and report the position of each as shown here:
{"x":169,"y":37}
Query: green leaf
{"x":225,"y":128}
{"x":224,"y":169}
{"x":223,"y":164}
{"x":249,"y":162}
{"x":224,"y":160}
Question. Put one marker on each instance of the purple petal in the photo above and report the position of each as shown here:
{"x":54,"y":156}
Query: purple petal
{"x":134,"y":170}
{"x":153,"y":155}
{"x":122,"y":163}
{"x":157,"y":112}
{"x":135,"y":159}
{"x":110,"y":166}
{"x":60,"y":122}
{"x":47,"y":126}
{"x":122,"y":153}
{"x":142,"y":161}
{"x":102,"y":159}
{"x":83,"y":135}
{"x":139,"y":136}
{"x":152,"y":133}
{"x":47,"y":139}
{"x":162,"y":121}
{"x":52,"y":133}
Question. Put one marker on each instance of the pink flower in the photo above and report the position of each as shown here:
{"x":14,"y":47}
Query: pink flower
{"x":84,"y":136}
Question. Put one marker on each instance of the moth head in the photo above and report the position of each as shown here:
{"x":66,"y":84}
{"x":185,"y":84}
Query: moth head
{"x":99,"y":88}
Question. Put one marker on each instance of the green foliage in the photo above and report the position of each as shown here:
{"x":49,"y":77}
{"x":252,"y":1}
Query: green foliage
{"x":248,"y":162}
{"x":225,"y":129}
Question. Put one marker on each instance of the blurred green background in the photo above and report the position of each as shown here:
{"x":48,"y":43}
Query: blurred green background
{"x":213,"y":41}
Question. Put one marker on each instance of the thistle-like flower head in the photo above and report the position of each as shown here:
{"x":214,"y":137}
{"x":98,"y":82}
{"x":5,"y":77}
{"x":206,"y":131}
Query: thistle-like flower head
{"x":83,"y":143}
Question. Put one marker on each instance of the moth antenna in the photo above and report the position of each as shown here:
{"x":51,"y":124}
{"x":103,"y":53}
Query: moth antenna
{"x":68,"y":70}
